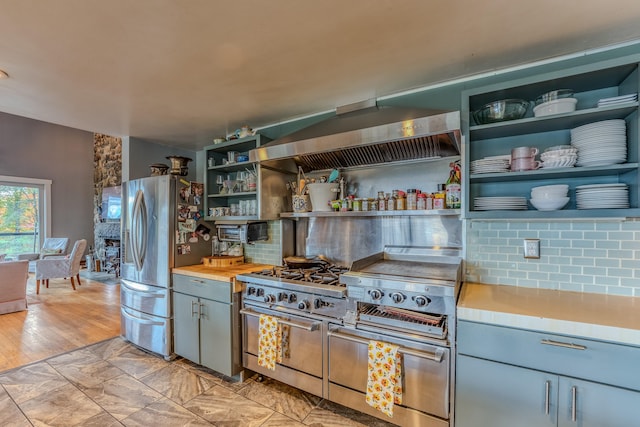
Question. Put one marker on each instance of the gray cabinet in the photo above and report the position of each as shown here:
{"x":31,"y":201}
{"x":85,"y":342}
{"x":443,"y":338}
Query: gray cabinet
{"x":589,"y":83}
{"x":507,"y":377}
{"x":206,"y":323}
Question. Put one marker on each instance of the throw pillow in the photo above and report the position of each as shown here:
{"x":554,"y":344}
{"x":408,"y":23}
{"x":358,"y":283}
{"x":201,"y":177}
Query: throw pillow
{"x":51,"y":251}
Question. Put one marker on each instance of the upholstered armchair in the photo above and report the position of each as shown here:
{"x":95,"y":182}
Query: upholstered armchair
{"x":13,"y":286}
{"x":52,"y":246}
{"x":57,"y":267}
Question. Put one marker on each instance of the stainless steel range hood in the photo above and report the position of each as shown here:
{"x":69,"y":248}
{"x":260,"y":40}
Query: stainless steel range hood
{"x":365,"y":134}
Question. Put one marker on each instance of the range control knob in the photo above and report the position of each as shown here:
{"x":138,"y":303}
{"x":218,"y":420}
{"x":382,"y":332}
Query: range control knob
{"x":303,"y":305}
{"x":317,"y":303}
{"x":398,"y":297}
{"x":292,"y":298}
{"x":259,"y":292}
{"x":376,"y":294}
{"x":282,"y":296}
{"x":251,"y":290}
{"x":421,"y":301}
{"x":270,"y":299}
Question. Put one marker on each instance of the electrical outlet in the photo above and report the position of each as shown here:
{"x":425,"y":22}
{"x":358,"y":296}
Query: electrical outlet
{"x":532,"y":248}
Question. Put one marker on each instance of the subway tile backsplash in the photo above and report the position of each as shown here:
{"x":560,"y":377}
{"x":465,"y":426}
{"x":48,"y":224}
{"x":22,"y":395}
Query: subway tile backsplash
{"x":585,"y":256}
{"x":267,"y":252}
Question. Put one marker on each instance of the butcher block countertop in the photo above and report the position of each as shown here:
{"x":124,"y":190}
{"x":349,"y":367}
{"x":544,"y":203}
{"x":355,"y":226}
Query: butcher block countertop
{"x":597,"y":316}
{"x":223,"y":274}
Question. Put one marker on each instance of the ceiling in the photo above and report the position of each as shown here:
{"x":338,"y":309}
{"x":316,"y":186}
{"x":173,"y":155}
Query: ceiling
{"x":182,"y":72}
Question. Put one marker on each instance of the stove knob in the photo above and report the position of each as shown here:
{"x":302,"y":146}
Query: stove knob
{"x":303,"y":305}
{"x":282,"y":296}
{"x":270,"y":299}
{"x":398,"y":297}
{"x":292,"y":298}
{"x":317,"y":303}
{"x":251,"y":290}
{"x":421,"y":301}
{"x":376,"y":294}
{"x":259,"y":292}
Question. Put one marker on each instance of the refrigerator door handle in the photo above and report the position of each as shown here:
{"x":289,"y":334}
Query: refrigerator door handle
{"x":139,"y":319}
{"x":139,"y":232}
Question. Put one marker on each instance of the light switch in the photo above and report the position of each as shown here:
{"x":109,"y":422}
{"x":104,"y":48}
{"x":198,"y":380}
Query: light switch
{"x":532,"y":248}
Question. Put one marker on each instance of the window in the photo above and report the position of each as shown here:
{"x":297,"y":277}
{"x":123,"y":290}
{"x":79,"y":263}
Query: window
{"x":25,"y":213}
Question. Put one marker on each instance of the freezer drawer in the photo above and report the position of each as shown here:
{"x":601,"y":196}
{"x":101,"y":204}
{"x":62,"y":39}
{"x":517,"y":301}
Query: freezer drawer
{"x":149,"y":332}
{"x":147,"y":299}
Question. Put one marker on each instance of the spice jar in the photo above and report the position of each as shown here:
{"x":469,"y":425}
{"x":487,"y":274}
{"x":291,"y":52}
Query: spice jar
{"x":382,"y":202}
{"x":421,"y":204}
{"x":412,"y":199}
{"x":357,"y":205}
{"x":391,"y":200}
{"x":401,"y":201}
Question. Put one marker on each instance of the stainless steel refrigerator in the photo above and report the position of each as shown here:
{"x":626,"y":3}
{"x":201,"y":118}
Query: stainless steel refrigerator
{"x":161,"y":229}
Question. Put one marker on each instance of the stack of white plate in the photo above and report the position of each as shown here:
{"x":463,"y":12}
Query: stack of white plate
{"x":549,"y":197}
{"x":601,"y":143}
{"x":499,"y":203}
{"x":560,"y":156}
{"x":494,"y":164}
{"x":622,"y":99}
{"x":602,"y":196}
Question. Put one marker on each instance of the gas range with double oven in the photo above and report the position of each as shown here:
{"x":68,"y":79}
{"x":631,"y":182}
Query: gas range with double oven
{"x":305,"y":300}
{"x":403,"y":296}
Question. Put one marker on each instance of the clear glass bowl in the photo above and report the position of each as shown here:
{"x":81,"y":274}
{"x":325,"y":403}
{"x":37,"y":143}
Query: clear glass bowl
{"x":499,"y":111}
{"x":553,"y":95}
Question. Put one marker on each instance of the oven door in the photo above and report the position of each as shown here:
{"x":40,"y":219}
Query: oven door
{"x":425,"y":368}
{"x":303,"y":368}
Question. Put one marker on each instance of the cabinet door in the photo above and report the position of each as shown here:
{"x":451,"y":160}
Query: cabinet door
{"x":216,"y":342}
{"x":596,"y":405}
{"x":499,"y":395}
{"x":186,"y":327}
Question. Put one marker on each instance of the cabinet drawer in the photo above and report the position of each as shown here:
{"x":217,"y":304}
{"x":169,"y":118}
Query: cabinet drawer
{"x":203,"y":288}
{"x":565,"y":355}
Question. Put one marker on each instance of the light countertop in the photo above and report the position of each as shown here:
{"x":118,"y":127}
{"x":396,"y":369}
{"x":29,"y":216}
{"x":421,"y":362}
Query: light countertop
{"x":597,"y":316}
{"x":223,"y":274}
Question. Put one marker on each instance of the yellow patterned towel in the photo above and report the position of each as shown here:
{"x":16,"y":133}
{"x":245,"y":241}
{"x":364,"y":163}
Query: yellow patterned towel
{"x":384,"y":383}
{"x":273,"y":342}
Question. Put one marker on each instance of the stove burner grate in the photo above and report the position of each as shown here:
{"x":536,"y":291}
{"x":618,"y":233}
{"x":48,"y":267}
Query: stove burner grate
{"x":325,"y":275}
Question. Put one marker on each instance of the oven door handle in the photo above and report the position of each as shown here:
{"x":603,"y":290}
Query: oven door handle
{"x":307,"y":327}
{"x":436,"y":356}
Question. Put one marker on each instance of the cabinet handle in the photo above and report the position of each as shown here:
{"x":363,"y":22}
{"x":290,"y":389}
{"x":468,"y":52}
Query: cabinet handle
{"x":574,"y":409}
{"x":547,"y":388}
{"x":195,"y":313}
{"x":196,"y":281}
{"x":564,"y":344}
{"x":201,"y":313}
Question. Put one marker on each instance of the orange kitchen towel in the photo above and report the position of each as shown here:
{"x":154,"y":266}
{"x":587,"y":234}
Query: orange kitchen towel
{"x":273,"y":341}
{"x":384,"y":382}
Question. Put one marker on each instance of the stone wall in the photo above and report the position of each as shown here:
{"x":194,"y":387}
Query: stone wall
{"x":107,"y":167}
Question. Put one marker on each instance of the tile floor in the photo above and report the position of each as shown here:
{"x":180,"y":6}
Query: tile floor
{"x":113,"y":383}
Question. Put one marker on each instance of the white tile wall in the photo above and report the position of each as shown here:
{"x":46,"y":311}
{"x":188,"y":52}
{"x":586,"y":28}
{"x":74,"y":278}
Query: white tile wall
{"x":584,"y":256}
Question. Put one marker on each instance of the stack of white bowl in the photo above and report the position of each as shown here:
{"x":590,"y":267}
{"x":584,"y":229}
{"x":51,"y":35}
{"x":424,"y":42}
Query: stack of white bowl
{"x":549,"y":197}
{"x":560,"y":156}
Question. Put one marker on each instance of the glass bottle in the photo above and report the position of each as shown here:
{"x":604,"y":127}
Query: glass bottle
{"x":453,"y":188}
{"x":382,"y":203}
{"x":391,"y":201}
{"x":401,"y":201}
{"x":439,"y":197}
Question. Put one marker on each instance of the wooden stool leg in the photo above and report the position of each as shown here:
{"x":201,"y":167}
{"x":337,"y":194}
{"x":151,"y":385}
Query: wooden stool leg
{"x":47,"y":280}
{"x":73,"y":285}
{"x":37,"y":286}
{"x":78,"y":278}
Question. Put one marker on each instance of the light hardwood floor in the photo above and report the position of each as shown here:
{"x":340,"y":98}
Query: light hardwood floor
{"x":59,"y":320}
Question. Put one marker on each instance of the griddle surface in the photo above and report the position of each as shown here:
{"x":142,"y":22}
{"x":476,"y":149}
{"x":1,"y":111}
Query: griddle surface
{"x":412,"y":269}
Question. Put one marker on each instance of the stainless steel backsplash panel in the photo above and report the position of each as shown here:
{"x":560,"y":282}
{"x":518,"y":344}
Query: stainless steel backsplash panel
{"x":346,"y":239}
